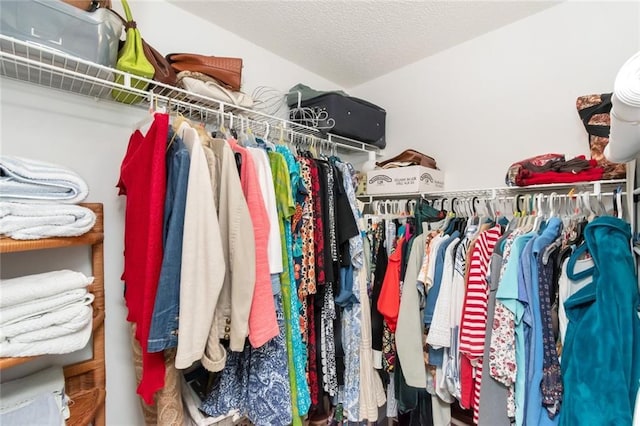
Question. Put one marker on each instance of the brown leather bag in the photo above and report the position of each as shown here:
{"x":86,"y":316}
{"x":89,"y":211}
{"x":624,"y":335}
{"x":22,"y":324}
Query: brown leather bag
{"x":164,"y":72}
{"x":413,"y":157}
{"x":227,"y":71}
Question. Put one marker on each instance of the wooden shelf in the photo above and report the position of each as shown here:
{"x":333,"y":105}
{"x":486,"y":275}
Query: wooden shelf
{"x":85,"y":381}
{"x":8,"y":245}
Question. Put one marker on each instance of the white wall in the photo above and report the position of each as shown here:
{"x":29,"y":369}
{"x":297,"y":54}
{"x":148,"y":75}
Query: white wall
{"x":91,"y":137}
{"x":509,"y":94}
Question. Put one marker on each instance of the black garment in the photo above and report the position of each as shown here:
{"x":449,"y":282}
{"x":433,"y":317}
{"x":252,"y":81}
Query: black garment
{"x":414,"y":404}
{"x":330,"y":272}
{"x":376,"y":317}
{"x":346,"y":224}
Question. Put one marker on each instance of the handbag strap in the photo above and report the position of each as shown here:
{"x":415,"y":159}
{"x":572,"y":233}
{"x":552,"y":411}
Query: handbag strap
{"x":604,"y":107}
{"x":127,"y":11}
{"x":129,"y":22}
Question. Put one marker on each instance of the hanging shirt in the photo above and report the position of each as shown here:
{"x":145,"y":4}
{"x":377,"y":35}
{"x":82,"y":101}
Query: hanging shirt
{"x":541,"y":275}
{"x":262,"y":324}
{"x":506,"y":354}
{"x":265,"y":178}
{"x":602,"y":342}
{"x":143,"y":180}
{"x":389,"y":300}
{"x":203,"y":266}
{"x":164,"y":324}
{"x":474,"y":318}
{"x":295,"y":350}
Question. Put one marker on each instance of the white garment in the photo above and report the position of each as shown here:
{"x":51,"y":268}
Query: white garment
{"x":265,"y":177}
{"x":31,"y":287}
{"x":203,"y":266}
{"x":440,"y":330}
{"x":459,"y":286}
{"x":441,"y":411}
{"x":37,"y":181}
{"x":372,"y":393}
{"x":30,"y":221}
{"x":567,"y":287}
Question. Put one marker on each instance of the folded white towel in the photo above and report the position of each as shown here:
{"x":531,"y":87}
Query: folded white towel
{"x":22,"y":392}
{"x":23,"y":221}
{"x":33,"y":180}
{"x":624,"y":136}
{"x":31,"y":287}
{"x":57,"y":345}
{"x":15,"y":313}
{"x":27,"y":179}
{"x":59,"y":322}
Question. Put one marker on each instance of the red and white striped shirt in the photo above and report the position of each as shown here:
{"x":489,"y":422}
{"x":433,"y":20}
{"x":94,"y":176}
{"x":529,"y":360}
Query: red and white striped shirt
{"x":474,"y":312}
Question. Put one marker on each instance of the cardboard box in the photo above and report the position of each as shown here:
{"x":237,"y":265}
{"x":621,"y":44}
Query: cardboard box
{"x":404,"y":180}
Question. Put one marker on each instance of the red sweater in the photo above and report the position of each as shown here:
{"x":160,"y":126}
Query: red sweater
{"x":532,"y":178}
{"x":143,"y":181}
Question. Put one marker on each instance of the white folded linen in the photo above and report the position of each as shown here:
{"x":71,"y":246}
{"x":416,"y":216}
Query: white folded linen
{"x":15,"y":313}
{"x":59,"y":322}
{"x":204,"y":85}
{"x":32,"y":287}
{"x":27,"y":179}
{"x":27,"y":392}
{"x":624,"y":136}
{"x":24,"y":221}
{"x":56,"y":345}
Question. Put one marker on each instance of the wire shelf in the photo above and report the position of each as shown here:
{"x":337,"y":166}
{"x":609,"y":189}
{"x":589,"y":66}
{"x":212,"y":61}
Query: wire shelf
{"x":51,"y":68}
{"x":594,"y":187}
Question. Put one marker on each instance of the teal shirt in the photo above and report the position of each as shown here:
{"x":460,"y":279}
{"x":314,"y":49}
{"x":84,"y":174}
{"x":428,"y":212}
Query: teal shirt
{"x":508,"y":295}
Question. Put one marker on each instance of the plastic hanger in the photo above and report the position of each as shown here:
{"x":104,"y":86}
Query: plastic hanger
{"x":618,"y":202}
{"x":539,"y":218}
{"x":153,"y":108}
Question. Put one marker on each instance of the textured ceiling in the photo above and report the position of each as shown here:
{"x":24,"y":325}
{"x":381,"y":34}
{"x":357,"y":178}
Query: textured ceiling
{"x":350,"y":42}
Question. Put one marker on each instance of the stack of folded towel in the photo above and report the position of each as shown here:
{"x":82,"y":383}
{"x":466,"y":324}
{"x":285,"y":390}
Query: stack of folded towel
{"x":37,"y":200}
{"x":35,"y":399}
{"x":48,"y":313}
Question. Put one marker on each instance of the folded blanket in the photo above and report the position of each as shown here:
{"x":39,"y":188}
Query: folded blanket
{"x":57,"y":345}
{"x":15,"y":313}
{"x":60,"y":322}
{"x":31,"y":287}
{"x":23,"y":221}
{"x":22,"y":392}
{"x":23,"y":179}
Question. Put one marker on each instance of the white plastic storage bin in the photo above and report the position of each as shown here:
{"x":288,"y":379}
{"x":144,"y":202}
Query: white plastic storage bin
{"x":93,"y":36}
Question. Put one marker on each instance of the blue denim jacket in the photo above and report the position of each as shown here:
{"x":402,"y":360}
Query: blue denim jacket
{"x":164,"y":322}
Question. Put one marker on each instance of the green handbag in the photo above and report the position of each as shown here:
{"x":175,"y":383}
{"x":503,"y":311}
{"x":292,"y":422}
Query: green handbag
{"x":131,"y":59}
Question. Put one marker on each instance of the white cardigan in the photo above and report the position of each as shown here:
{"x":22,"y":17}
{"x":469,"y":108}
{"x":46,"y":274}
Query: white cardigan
{"x":203,"y":267}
